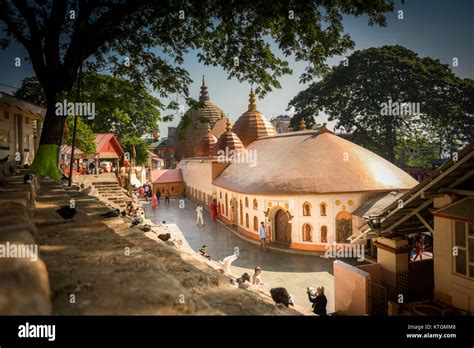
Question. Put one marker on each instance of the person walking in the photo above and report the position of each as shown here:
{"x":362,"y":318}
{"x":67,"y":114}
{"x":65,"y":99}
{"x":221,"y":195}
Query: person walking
{"x":199,"y":215}
{"x":154,"y":202}
{"x":167,"y":197}
{"x":419,"y":247}
{"x":318,"y":299}
{"x":213,"y":209}
{"x":158,"y":195}
{"x":146,"y":192}
{"x":263,"y":235}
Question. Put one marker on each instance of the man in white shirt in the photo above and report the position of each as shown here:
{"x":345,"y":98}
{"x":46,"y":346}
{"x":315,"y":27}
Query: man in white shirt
{"x":263,"y":235}
{"x":199,"y":215}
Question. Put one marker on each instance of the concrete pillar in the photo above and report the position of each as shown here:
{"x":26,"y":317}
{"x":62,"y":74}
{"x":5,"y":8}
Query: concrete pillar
{"x":392,"y":254}
{"x":20,"y":133}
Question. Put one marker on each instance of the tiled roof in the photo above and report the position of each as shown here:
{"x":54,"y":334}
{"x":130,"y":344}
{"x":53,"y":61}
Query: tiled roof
{"x":165,"y":176}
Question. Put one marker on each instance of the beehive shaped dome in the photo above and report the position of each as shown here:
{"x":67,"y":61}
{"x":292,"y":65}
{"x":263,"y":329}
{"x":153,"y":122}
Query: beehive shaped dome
{"x":228,"y":141}
{"x":205,"y":147}
{"x":193,"y":126}
{"x":252,"y":124}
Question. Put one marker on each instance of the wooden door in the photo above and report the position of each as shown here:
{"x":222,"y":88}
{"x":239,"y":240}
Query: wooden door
{"x":282,"y":227}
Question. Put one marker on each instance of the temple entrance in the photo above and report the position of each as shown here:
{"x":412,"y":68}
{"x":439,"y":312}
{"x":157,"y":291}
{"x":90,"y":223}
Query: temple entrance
{"x":282,"y":227}
{"x":343,"y":226}
{"x":233,"y":211}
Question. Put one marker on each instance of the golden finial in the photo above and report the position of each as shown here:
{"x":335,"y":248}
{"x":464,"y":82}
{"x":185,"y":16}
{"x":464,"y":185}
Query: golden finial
{"x":203,"y":81}
{"x":302,"y":125}
{"x":228,"y":126}
{"x":222,"y":114}
{"x":208,"y":128}
{"x":252,"y":105}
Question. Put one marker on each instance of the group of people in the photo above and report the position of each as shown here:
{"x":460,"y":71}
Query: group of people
{"x":145,"y":191}
{"x":315,"y":295}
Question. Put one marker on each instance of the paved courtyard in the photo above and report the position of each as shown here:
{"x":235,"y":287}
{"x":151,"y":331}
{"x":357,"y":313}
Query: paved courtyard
{"x":294,"y":272}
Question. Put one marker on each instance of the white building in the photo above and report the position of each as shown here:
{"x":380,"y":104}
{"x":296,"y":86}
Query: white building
{"x":20,"y":128}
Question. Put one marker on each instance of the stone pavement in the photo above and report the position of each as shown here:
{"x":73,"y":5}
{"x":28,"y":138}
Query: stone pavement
{"x":294,"y":272}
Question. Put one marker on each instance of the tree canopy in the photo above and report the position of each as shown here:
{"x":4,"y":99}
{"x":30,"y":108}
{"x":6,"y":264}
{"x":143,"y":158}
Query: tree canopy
{"x":144,"y":41}
{"x":85,"y":139}
{"x":389,"y":95}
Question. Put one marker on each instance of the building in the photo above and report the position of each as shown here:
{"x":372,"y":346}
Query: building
{"x":193,"y":125}
{"x":108,"y":148}
{"x":20,"y":128}
{"x":170,"y":180}
{"x":442,"y":206}
{"x":281,"y":123}
{"x":304,"y":185}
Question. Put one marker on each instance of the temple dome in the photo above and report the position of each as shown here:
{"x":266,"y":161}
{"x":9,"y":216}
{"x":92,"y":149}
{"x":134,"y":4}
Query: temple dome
{"x":228,"y":141}
{"x":312,"y":162}
{"x":252,"y":124}
{"x":205,"y":146}
{"x":193,"y":125}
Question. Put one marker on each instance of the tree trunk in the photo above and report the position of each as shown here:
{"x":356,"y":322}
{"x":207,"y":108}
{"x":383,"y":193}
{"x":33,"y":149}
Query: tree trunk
{"x":46,"y":159}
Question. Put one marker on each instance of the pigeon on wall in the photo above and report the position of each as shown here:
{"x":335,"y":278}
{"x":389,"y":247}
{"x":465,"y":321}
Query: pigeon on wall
{"x":164,"y":236}
{"x":111,"y":214}
{"x":66,"y":212}
{"x":281,"y":297}
{"x":28,"y":178}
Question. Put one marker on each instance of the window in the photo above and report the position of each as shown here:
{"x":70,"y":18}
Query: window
{"x":241,"y":213}
{"x":26,"y":143}
{"x":27,"y":120}
{"x":306,"y":209}
{"x":323,"y":209}
{"x":246,"y":202}
{"x":220,"y":194}
{"x":6,"y":115}
{"x":255,"y":224}
{"x":247,"y":220}
{"x":307,"y":233}
{"x":172,"y":188}
{"x":226,"y":205}
{"x":324,"y":234}
{"x":255,"y":204}
{"x":464,"y":244}
{"x":4,"y":139}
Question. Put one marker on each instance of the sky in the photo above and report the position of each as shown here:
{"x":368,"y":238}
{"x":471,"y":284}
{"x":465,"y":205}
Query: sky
{"x":441,"y":29}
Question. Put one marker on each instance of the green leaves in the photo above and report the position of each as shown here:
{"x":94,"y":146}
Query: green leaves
{"x":353,"y":94}
{"x":85,"y":139}
{"x":141,"y":149}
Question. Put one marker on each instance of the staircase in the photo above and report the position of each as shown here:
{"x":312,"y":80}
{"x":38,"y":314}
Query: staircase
{"x":111,"y":193}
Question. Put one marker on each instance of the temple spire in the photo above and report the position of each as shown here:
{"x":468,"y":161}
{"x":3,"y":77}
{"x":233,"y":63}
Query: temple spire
{"x":204,"y":96}
{"x":252,"y":105}
{"x":228,"y":126}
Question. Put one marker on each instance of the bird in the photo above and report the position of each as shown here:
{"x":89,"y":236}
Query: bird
{"x":111,"y":214}
{"x":4,"y":159}
{"x":164,"y":236}
{"x":87,"y":190}
{"x":66,"y":212}
{"x":281,"y":297}
{"x":227,"y":262}
{"x":145,"y":228}
{"x":28,"y":178}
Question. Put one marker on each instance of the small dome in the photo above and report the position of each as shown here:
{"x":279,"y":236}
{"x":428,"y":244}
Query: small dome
{"x":205,"y":146}
{"x":252,"y":124}
{"x":228,"y":141}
